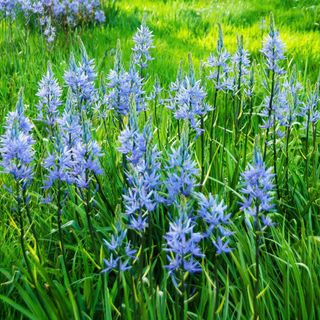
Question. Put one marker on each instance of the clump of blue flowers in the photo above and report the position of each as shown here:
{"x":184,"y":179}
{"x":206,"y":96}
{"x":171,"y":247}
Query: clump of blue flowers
{"x":16,"y":145}
{"x":189,"y":103}
{"x":51,"y":14}
{"x":120,"y":251}
{"x":182,"y":247}
{"x":220,"y":67}
{"x":273,"y":50}
{"x":213,"y":213}
{"x":80,"y":78}
{"x":257,"y":181}
{"x":49,"y":94}
{"x":143,"y":43}
{"x":181,"y":172}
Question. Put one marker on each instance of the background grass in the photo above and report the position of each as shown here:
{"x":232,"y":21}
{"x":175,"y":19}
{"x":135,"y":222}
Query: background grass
{"x":179,"y":27}
{"x":291,"y":252}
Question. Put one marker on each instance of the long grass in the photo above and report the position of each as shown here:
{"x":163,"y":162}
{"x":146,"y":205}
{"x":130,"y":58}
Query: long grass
{"x":72,"y":287}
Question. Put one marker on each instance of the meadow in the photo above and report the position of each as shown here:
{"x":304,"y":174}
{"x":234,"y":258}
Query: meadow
{"x":162,"y":164}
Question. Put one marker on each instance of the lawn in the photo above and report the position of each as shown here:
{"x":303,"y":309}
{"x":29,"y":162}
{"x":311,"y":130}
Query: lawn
{"x":197,"y":201}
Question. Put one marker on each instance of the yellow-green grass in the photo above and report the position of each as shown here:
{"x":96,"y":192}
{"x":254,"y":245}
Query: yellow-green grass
{"x":179,"y":27}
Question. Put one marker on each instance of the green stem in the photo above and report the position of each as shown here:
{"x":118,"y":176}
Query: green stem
{"x":217,"y":285}
{"x":179,"y":134}
{"x":307,"y":148}
{"x":31,"y":222}
{"x":287,"y":158}
{"x":23,"y":247}
{"x":183,"y":290}
{"x":141,"y":259}
{"x":88,"y":216}
{"x":224,"y":135}
{"x":119,"y":289}
{"x":269,"y":114}
{"x":202,"y":153}
{"x":177,"y":304}
{"x":275,"y":156}
{"x":59,"y":212}
{"x":214,"y":113}
{"x":247,"y":132}
{"x":156,"y":120}
{"x":103,"y":196}
{"x":257,"y":256}
{"x":314,"y":156}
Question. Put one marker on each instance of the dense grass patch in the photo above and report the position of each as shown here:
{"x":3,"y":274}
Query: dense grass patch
{"x":52,"y":239}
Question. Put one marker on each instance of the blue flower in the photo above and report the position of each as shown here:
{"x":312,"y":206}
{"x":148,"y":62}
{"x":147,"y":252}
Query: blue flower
{"x":121,"y":253}
{"x":257,"y":187}
{"x":143,"y":179}
{"x":222,"y":247}
{"x":59,"y":164}
{"x":50,"y":13}
{"x":100,"y":16}
{"x":142,"y":44}
{"x":119,"y":87}
{"x":49,"y":94}
{"x":219,"y":62}
{"x":181,"y":172}
{"x":138,"y":223}
{"x":116,"y":240}
{"x":86,"y":158}
{"x":273,"y":50}
{"x":310,"y":110}
{"x":286,"y":104}
{"x":182,"y":245}
{"x":69,"y":124}
{"x":212,"y":212}
{"x":241,"y":63}
{"x":137,"y":91}
{"x":80,"y":80}
{"x":124,"y":87}
{"x":133,"y":143}
{"x":16,"y":145}
{"x":189,"y":103}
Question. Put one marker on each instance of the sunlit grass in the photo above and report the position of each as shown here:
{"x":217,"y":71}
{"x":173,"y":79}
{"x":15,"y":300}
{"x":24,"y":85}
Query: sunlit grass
{"x":290,"y":286}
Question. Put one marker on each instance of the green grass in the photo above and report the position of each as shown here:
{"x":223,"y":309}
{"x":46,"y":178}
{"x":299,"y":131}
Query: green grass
{"x":290,"y":253}
{"x":179,"y":27}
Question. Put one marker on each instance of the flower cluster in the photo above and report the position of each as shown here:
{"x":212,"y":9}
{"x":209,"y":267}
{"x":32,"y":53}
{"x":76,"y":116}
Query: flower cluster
{"x":16,"y":145}
{"x":285,"y":107}
{"x":257,"y":189}
{"x":75,"y":155}
{"x":86,"y":154}
{"x":121,"y":253}
{"x":188,"y":103}
{"x":49,"y":94}
{"x":142,"y":44}
{"x":80,"y":79}
{"x":182,"y":246}
{"x":133,"y":143}
{"x":8,"y":8}
{"x":290,"y":105}
{"x":220,"y":64}
{"x":181,"y":172}
{"x":310,"y":110}
{"x":143,"y":194}
{"x":59,"y":164}
{"x":241,"y":64}
{"x":124,"y":87}
{"x":143,"y":173}
{"x":212,"y":212}
{"x":160,"y":188}
{"x":273,"y":50}
{"x":50,"y":14}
